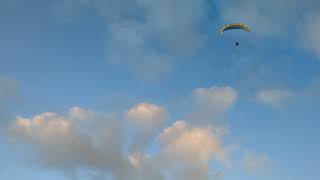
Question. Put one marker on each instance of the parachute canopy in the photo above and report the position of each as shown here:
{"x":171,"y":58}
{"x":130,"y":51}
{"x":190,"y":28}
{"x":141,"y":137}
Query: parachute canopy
{"x":235,"y":26}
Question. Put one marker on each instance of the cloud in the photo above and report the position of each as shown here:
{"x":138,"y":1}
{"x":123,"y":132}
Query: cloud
{"x":8,"y":97}
{"x":185,"y":153}
{"x":147,"y":167}
{"x":268,"y":18}
{"x":309,"y":35}
{"x":79,"y":113}
{"x":193,"y":146}
{"x":8,"y":88}
{"x":147,"y":119}
{"x":146,"y":36}
{"x":174,"y":25}
{"x":128,"y":46}
{"x":147,"y":115}
{"x":210,"y":103}
{"x":84,"y":139}
{"x":63,"y":145}
{"x":136,"y":159}
{"x":274,"y":97}
{"x":253,"y":163}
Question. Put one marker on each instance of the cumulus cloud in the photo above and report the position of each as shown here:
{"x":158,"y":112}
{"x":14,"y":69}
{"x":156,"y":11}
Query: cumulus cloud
{"x":274,"y":97}
{"x":253,"y":163}
{"x":79,"y":113}
{"x":61,"y":144}
{"x":147,"y":120}
{"x":193,"y":146}
{"x":84,"y":139}
{"x":185,"y":153}
{"x":147,"y":115}
{"x":147,"y":167}
{"x":210,"y":103}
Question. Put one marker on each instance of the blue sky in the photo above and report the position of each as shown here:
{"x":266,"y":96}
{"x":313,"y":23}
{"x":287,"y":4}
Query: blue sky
{"x":141,"y":89}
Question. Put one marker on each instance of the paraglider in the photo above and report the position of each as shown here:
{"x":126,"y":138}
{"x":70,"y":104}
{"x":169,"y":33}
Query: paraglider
{"x":240,"y":26}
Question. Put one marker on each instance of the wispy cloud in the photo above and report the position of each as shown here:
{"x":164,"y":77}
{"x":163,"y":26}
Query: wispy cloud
{"x":210,"y":103}
{"x":149,"y":37}
{"x":309,"y":32}
{"x":276,"y":18}
{"x":8,"y":88}
{"x":8,"y":97}
{"x":254,"y":164}
{"x":275,"y":97}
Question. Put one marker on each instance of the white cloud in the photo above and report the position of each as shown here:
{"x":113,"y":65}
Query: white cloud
{"x":219,"y":97}
{"x":85,"y":139}
{"x":147,"y":119}
{"x":184,"y":154}
{"x":147,"y":115}
{"x":79,"y":113}
{"x":274,"y":97}
{"x":193,"y":146}
{"x":61,"y":144}
{"x":136,"y":159}
{"x":253,"y":163}
{"x":210,"y":103}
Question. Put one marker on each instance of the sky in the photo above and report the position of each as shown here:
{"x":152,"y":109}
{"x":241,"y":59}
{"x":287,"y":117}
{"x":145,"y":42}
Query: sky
{"x":138,"y":89}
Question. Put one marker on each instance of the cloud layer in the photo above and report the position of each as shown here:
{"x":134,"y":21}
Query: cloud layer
{"x":146,"y":36}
